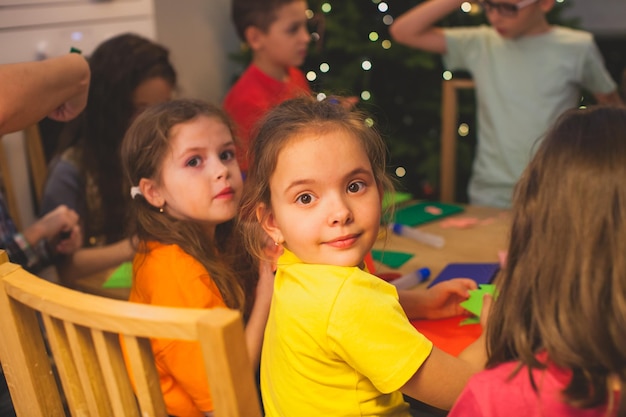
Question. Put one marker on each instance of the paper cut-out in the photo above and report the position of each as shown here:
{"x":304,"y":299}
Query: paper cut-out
{"x":481,"y":272}
{"x":420,"y":213}
{"x":474,"y":304}
{"x":122,"y":277}
{"x":395,"y":198}
{"x":390,"y":258}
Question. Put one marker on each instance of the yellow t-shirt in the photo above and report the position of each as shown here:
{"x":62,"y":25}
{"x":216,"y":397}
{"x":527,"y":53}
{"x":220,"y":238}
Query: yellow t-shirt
{"x":168,"y":276}
{"x":337,"y":343}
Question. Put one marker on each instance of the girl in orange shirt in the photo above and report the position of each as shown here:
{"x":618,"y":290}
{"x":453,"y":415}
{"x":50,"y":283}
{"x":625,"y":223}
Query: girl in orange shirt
{"x":180,"y":158}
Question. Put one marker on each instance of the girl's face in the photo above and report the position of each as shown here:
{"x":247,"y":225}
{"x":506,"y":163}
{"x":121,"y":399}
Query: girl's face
{"x":152,"y":91}
{"x":200,"y":178}
{"x":325,"y":204}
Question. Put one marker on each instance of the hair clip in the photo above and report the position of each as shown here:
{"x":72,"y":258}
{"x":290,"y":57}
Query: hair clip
{"x":134,"y":191}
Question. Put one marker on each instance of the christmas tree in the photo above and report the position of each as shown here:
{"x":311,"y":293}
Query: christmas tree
{"x":354,"y":55}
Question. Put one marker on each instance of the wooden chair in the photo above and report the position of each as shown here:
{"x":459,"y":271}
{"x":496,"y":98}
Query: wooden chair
{"x":36,"y":173}
{"x":83,"y":334}
{"x":449,"y":129}
{"x":37,"y":164}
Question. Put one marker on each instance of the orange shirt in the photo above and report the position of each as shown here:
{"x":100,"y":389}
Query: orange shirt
{"x":168,"y":276}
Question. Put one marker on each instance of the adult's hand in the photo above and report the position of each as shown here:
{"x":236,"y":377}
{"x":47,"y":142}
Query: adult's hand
{"x":49,"y":227}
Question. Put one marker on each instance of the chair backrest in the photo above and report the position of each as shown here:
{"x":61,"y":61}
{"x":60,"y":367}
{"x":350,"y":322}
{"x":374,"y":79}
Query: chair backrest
{"x":449,"y":134}
{"x":83,"y":334}
{"x":24,"y":170}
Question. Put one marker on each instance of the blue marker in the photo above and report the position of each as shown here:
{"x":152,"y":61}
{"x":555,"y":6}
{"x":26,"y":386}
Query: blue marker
{"x":411,"y":279}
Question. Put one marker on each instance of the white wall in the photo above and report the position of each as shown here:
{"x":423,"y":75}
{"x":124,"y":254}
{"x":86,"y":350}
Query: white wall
{"x":37,"y":29}
{"x":200,"y":37}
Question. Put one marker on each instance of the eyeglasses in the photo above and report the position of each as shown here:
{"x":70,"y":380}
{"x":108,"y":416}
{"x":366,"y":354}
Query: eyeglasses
{"x":506,"y":9}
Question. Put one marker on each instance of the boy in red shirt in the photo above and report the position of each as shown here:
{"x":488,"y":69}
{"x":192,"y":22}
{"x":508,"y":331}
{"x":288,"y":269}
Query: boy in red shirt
{"x":276,"y":32}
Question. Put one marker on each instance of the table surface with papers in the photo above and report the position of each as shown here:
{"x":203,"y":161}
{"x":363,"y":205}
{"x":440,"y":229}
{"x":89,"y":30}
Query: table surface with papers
{"x":475,"y":235}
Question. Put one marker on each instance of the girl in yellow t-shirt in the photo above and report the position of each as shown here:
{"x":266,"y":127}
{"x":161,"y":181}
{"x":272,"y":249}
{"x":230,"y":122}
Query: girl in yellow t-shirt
{"x":337,"y":340}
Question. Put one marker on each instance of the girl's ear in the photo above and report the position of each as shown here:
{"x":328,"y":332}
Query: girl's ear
{"x":266,"y":219}
{"x":151,"y":192}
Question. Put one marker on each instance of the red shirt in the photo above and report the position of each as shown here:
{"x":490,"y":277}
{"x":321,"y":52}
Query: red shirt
{"x":253,"y":95}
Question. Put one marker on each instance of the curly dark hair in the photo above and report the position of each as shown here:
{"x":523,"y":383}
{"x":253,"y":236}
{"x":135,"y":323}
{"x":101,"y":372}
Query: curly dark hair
{"x":118,"y":66}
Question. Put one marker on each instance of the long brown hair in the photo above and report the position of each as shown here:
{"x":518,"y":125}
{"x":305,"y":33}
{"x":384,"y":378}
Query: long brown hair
{"x":563,"y":290}
{"x":283,"y":123}
{"x":143,"y":151}
{"x":118,"y":66}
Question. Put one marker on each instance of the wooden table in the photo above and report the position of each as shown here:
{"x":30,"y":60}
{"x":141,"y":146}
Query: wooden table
{"x":478,"y":243}
{"x":93,"y":285}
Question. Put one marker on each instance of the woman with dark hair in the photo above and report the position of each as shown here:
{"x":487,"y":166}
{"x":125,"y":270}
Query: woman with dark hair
{"x":128,"y":74}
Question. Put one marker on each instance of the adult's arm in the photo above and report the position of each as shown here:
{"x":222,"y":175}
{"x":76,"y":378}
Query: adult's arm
{"x":29,"y":91}
{"x":416,"y":28}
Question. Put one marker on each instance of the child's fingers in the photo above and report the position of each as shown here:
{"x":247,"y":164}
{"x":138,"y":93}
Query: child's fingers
{"x":460,"y":286}
{"x":467,"y":283}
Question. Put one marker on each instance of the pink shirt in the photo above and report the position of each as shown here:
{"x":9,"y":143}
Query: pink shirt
{"x":490,"y":393}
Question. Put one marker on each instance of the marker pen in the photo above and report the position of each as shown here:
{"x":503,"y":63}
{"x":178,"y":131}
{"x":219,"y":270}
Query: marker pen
{"x":411,"y":279}
{"x":422,"y":237}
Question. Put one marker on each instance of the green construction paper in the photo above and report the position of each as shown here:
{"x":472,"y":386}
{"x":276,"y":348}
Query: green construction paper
{"x":122,"y":277}
{"x":470,"y":320}
{"x":395,"y":198}
{"x":390,"y":258}
{"x":416,"y":214}
{"x":474,"y":304}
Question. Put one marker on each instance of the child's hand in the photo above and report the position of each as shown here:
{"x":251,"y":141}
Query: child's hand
{"x":443,"y":299}
{"x":347,"y":103}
